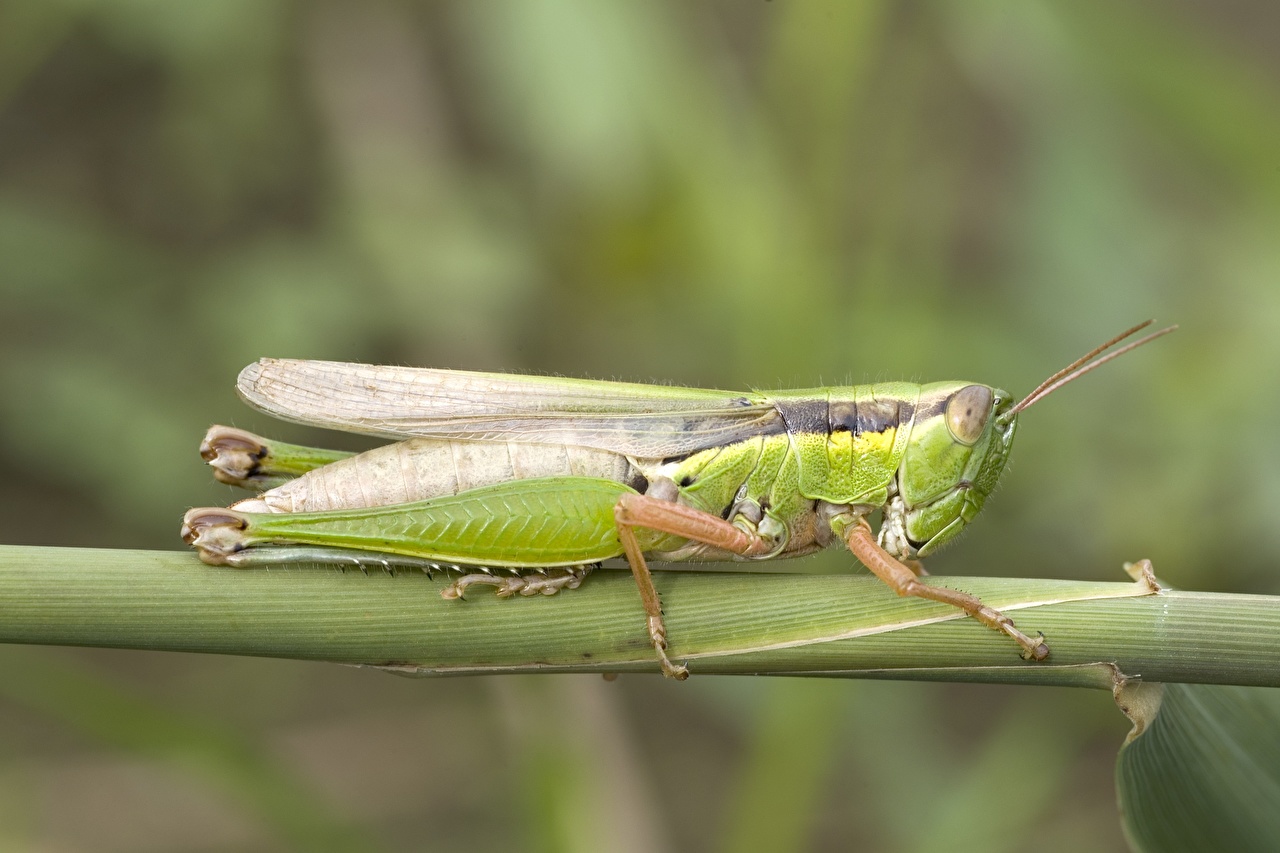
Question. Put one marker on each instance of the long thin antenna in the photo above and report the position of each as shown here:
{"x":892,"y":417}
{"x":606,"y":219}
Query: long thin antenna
{"x":1083,"y":365}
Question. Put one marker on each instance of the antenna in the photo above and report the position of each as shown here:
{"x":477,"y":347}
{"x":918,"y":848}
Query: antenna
{"x":1083,"y":365}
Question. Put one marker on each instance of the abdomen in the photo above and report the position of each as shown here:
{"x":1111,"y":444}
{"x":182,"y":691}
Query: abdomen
{"x":422,"y":468}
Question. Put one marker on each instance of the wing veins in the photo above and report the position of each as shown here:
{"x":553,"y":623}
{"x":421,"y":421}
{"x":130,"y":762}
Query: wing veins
{"x":397,"y":402}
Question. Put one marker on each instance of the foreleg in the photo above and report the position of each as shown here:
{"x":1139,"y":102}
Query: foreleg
{"x":902,"y":580}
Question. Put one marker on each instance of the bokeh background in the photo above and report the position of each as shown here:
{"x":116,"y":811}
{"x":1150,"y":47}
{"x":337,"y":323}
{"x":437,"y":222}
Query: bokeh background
{"x":744,"y":195}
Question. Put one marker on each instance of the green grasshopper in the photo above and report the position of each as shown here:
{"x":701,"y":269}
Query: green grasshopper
{"x":531,"y":472}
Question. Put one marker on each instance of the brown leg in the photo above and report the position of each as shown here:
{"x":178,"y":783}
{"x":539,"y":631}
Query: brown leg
{"x":634,"y":511}
{"x":505,"y":586}
{"x":900,"y":578}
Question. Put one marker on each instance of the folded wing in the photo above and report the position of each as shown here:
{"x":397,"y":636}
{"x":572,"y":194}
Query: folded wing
{"x":644,"y":421}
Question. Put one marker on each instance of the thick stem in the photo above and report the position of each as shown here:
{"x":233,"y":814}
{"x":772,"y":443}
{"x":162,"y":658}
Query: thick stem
{"x":778,"y":624}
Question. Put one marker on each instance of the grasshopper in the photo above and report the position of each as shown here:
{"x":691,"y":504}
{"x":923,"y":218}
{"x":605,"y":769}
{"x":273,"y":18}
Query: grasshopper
{"x":532,"y":472}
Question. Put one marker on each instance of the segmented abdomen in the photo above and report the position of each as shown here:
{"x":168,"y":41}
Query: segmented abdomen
{"x":422,"y":468}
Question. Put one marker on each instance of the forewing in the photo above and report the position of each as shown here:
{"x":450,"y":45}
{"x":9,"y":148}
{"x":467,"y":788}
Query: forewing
{"x":645,"y":421}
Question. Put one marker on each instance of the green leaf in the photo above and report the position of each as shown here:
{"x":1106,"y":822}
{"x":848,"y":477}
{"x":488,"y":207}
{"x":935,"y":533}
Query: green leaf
{"x":1201,"y":769}
{"x":719,"y":622}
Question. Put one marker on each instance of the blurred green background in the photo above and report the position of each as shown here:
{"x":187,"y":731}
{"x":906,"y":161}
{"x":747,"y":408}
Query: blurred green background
{"x":763,"y":194}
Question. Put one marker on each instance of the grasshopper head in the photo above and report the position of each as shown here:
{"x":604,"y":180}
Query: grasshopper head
{"x":960,"y":442}
{"x":958,"y":446}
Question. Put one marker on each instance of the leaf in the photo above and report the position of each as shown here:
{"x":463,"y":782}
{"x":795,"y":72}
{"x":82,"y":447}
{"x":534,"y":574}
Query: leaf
{"x":1201,"y":768}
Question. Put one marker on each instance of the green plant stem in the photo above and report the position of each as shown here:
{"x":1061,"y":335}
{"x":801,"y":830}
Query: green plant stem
{"x":778,"y":624}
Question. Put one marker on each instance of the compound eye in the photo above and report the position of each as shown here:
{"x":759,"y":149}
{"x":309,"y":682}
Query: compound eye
{"x":967,"y":412}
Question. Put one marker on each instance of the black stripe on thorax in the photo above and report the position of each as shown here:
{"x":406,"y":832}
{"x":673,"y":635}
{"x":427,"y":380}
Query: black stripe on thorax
{"x":865,"y":415}
{"x":825,"y":417}
{"x":801,"y":416}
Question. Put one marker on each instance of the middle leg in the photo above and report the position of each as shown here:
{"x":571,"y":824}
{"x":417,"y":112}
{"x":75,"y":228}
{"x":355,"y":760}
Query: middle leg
{"x":634,"y":511}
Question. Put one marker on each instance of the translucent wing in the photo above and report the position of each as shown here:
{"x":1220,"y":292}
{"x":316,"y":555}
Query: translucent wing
{"x":645,"y":421}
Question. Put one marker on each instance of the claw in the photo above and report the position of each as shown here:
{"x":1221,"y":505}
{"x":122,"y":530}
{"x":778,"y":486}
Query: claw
{"x":658,"y":637}
{"x":1035,"y":649}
